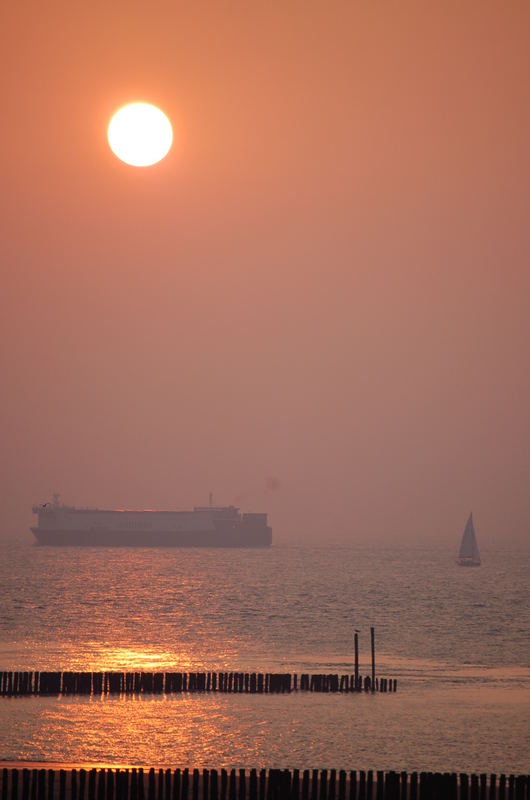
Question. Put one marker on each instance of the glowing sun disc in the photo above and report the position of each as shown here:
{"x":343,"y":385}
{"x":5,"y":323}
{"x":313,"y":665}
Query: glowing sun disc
{"x":140,"y":134}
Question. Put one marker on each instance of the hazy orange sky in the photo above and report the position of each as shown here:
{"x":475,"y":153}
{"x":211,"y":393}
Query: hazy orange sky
{"x":318,"y":305}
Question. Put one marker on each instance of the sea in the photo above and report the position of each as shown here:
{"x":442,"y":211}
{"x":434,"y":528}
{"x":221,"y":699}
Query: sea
{"x":457,"y":641}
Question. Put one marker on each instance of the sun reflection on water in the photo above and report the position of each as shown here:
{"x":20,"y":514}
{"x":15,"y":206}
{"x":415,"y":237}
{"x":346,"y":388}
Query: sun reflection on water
{"x":109,"y":658}
{"x":102,"y":657}
{"x":294,"y":730}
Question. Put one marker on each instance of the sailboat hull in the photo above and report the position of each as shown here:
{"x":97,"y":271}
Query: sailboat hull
{"x":464,"y":562}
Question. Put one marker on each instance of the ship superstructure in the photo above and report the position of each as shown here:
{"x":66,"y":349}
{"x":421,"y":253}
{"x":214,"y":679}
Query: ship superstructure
{"x":205,"y":526}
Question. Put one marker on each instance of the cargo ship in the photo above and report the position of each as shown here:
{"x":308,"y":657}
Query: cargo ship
{"x":206,"y":526}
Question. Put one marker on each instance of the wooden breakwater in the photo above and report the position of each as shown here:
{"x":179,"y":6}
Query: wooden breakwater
{"x":19,"y":684}
{"x":263,"y":784}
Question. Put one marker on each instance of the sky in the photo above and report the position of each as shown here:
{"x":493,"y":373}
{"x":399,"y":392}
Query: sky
{"x":318,"y":305}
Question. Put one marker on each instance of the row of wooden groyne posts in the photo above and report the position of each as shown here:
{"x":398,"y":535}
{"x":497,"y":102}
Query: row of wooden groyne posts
{"x":17,"y":684}
{"x":272,"y":784}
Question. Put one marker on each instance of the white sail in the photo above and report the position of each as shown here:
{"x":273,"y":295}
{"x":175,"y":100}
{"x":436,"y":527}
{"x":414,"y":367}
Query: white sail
{"x":469,"y":554}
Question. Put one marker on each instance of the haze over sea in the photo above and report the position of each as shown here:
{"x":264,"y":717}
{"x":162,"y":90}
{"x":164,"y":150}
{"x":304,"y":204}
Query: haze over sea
{"x":456,"y":639}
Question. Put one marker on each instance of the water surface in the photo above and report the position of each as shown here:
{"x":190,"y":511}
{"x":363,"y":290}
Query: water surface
{"x":456,"y":639}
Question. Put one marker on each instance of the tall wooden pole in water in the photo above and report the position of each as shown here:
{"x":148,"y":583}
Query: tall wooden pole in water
{"x":372,"y":641}
{"x":356,"y":640}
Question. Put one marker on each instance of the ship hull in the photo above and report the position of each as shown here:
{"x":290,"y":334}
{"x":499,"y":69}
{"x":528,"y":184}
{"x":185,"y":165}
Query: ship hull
{"x":237,"y":537}
{"x":205,"y":526}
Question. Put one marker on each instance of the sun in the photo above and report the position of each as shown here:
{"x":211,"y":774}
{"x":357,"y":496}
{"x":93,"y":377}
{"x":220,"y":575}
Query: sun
{"x":140,"y":134}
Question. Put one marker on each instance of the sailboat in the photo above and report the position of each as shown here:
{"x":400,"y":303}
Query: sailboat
{"x":469,"y":555}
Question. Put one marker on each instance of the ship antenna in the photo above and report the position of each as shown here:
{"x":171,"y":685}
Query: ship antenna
{"x":210,"y":499}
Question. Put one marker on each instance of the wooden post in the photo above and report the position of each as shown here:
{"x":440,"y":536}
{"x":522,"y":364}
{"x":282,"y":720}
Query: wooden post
{"x":176,"y":785}
{"x":382,"y":779}
{"x":332,"y":784}
{"x":134,"y":784}
{"x":151,"y":785}
{"x":464,"y":786}
{"x":34,"y":785}
{"x":167,"y":784}
{"x":25,"y":784}
{"x":284,"y":778}
{"x":14,"y":784}
{"x":82,"y":784}
{"x":369,"y":783}
{"x":323,"y":794}
{"x":271,"y":785}
{"x":413,"y":786}
{"x":372,"y":643}
{"x":101,"y":785}
{"x":214,"y":785}
{"x":404,"y":783}
{"x":185,"y":783}
{"x":342,"y":785}
{"x":305,"y":784}
{"x":126,"y":777}
{"x":362,"y":785}
{"x":109,"y":777}
{"x":314,"y":785}
{"x":493,"y":787}
{"x":92,"y":784}
{"x":51,"y":778}
{"x":356,"y":646}
{"x":41,"y":784}
{"x":252,"y":785}
{"x":395,"y":789}
{"x":232,"y":785}
{"x":295,"y":785}
{"x":352,"y":794}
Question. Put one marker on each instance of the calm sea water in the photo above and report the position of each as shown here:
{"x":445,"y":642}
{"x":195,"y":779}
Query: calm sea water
{"x":456,"y":639}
